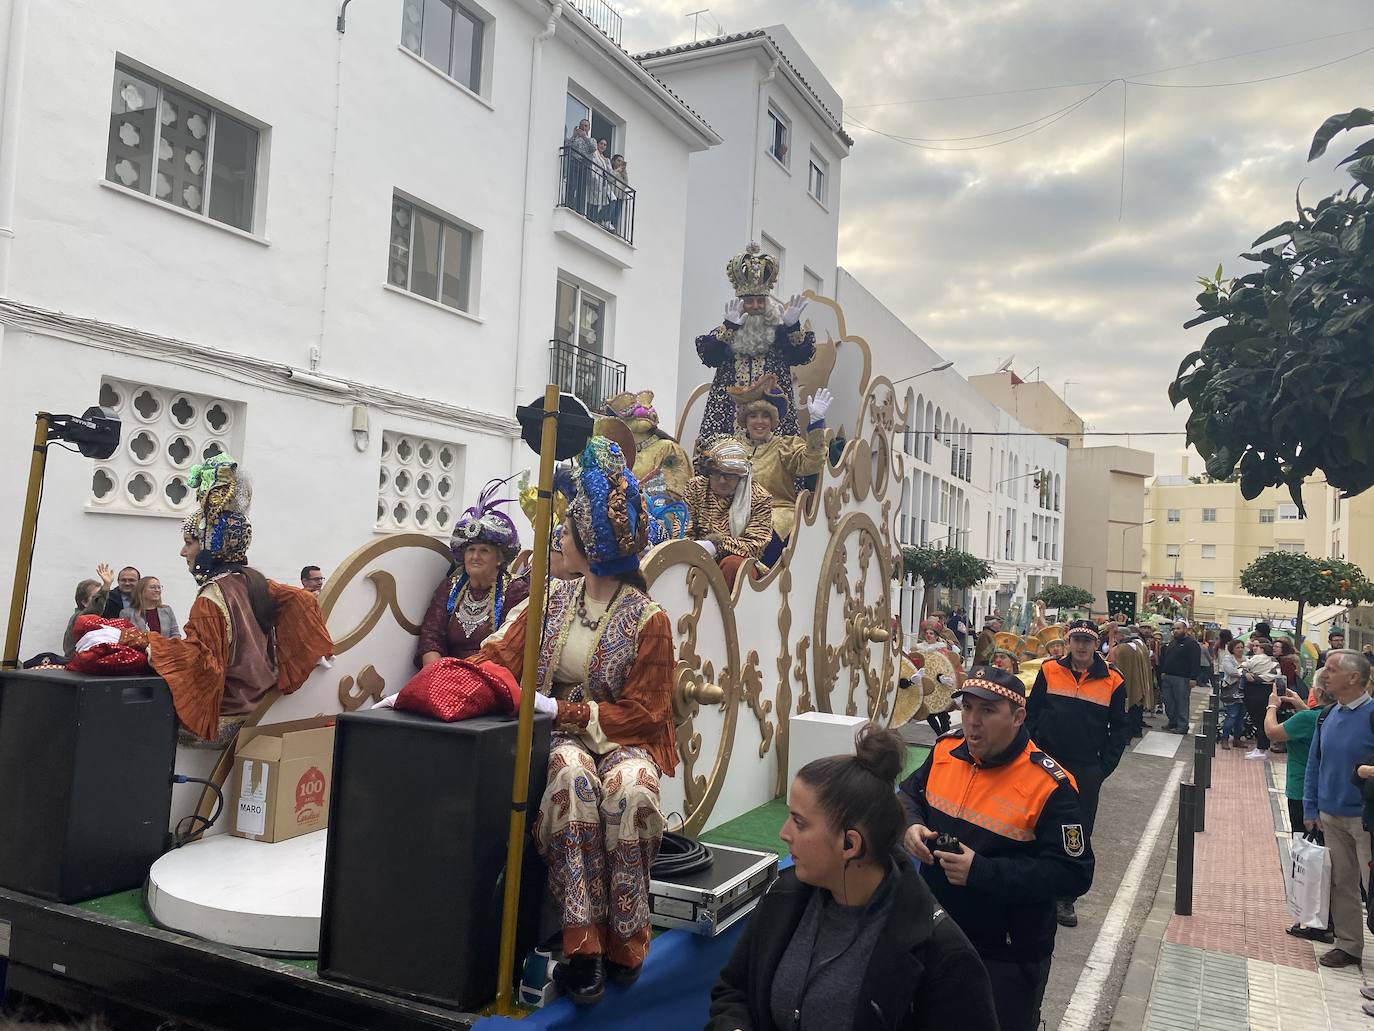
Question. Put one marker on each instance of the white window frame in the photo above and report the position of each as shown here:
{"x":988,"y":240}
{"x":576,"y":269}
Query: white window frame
{"x":1209,"y":551}
{"x":1266,"y":549}
{"x":1173,"y":550}
{"x":163,"y":84}
{"x":484,"y":50}
{"x":450,"y":225}
{"x":581,"y":289}
{"x":776,"y":120}
{"x":1209,"y":587}
{"x":1288,"y":512}
{"x":819,"y":284}
{"x":1209,"y":515}
{"x":1175,"y":515}
{"x":771,"y":246}
{"x":818,"y":173}
{"x":1267,"y":515}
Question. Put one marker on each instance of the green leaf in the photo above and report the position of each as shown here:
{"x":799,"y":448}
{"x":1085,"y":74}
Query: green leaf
{"x":1352,"y":236}
{"x":1336,"y":124}
{"x":1347,"y":318}
{"x":1362,"y":171}
{"x":1282,"y":229}
{"x":1365,"y":149}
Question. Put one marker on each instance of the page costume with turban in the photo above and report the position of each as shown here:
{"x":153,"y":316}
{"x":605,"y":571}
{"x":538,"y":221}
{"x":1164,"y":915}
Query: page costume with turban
{"x":738,"y":527}
{"x":610,"y":668}
{"x":781,"y":460}
{"x":226,"y":662}
{"x":460,"y":615}
{"x":660,"y":464}
{"x":742,"y":352}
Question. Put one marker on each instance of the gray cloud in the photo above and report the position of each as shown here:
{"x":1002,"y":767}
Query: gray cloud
{"x":1018,"y":247}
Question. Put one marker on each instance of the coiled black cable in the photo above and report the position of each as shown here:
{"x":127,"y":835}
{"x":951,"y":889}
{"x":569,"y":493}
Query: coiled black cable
{"x":679,"y":855}
{"x":185,"y":836}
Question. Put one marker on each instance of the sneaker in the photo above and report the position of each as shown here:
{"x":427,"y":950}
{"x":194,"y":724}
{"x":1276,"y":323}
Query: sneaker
{"x":1255,"y":753}
{"x":1226,"y":744}
{"x":1063,"y":912}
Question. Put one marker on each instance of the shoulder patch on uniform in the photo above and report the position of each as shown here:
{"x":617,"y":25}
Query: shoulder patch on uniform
{"x":1051,"y":767}
{"x":1074,"y":841}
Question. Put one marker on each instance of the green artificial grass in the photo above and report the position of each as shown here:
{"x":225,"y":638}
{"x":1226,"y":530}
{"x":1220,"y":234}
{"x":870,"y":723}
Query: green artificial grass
{"x":759,"y":827}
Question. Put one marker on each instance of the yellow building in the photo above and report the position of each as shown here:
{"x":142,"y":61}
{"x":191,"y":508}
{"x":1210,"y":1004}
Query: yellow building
{"x":1201,"y":535}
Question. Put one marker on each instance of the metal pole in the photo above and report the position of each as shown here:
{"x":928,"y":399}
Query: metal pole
{"x":1200,"y":785}
{"x":28,"y":535}
{"x":1183,"y":869}
{"x":529,"y":676}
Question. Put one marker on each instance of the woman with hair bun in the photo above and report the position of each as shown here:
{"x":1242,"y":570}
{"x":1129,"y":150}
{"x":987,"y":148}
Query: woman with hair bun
{"x":850,"y":938}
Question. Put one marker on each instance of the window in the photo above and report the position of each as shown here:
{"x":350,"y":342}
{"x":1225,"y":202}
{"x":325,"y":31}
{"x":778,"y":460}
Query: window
{"x":604,"y":125}
{"x":1175,"y":515}
{"x":580,"y":317}
{"x":1171,"y":550}
{"x":1209,"y":515}
{"x":165,"y":432}
{"x":818,"y":177}
{"x":1209,"y":587}
{"x":446,"y":35}
{"x":1209,"y":551}
{"x":779,"y":136}
{"x":1287,"y":512}
{"x":1293,"y":546}
{"x":1266,"y":515}
{"x":812,"y":282}
{"x":1265,"y":550}
{"x":418,"y":484}
{"x":181,"y":151}
{"x":429,"y":256}
{"x":771,"y":246}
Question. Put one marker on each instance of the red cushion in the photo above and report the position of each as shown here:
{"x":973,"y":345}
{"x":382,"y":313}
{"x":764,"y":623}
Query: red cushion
{"x":455,"y":689}
{"x":106,"y":659}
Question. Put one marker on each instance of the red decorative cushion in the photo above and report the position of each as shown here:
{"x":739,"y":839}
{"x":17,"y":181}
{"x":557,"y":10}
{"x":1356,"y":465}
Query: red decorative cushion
{"x":117,"y":660}
{"x":455,"y":689}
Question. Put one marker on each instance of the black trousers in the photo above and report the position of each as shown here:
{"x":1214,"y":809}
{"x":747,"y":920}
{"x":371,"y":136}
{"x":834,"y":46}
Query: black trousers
{"x":1256,"y":702}
{"x":1018,"y":989}
{"x":1089,"y":778}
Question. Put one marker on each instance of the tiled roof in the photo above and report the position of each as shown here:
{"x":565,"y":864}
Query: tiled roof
{"x":738,"y":37}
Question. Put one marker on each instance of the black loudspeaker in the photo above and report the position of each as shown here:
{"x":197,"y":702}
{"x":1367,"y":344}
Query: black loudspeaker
{"x":414,"y":871}
{"x":85,"y":781}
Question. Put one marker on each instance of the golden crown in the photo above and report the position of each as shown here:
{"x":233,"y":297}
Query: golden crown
{"x":752,"y":273}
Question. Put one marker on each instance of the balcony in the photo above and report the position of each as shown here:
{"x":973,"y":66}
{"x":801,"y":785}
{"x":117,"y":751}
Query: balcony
{"x":591,"y":377}
{"x":591,"y":191}
{"x":602,"y":15}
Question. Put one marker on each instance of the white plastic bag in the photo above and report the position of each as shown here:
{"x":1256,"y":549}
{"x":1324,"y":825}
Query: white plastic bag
{"x":1308,"y":883}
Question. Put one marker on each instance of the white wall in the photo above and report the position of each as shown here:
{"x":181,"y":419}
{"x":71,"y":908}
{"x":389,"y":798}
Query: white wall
{"x":92,"y":250}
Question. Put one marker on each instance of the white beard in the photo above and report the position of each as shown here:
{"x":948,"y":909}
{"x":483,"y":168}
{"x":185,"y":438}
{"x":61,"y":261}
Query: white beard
{"x":756,"y":336}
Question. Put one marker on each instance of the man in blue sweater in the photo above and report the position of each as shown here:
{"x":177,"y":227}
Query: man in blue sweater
{"x":1332,"y":801}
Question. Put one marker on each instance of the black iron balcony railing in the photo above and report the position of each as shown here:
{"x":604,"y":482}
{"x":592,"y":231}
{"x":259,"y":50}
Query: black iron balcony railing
{"x":596,"y":194}
{"x":602,"y":15}
{"x":591,"y":377}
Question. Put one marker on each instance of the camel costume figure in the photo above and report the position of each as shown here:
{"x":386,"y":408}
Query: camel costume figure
{"x":759,"y":336}
{"x":779,"y":461}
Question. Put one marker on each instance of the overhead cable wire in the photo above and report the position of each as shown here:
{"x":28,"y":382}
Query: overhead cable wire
{"x":986,"y":135}
{"x":1249,"y":82}
{"x":1130,"y":76}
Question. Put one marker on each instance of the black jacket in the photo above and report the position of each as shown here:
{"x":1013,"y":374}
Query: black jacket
{"x":923,"y":974}
{"x":1086,"y":728}
{"x":1019,"y":814}
{"x":1181,"y":658}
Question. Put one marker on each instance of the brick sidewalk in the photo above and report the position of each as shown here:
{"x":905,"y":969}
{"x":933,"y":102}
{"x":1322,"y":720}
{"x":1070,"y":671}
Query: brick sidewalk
{"x":1230,"y":965}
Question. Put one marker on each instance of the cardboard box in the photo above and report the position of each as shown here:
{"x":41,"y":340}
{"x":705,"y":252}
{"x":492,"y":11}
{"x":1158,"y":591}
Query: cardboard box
{"x":281,"y":779}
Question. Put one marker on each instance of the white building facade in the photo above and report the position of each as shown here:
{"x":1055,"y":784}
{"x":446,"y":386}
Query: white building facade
{"x":341,"y":245}
{"x":976,"y":479}
{"x":774,"y":181}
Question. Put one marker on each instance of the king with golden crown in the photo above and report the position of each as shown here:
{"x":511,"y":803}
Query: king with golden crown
{"x":759,"y":336}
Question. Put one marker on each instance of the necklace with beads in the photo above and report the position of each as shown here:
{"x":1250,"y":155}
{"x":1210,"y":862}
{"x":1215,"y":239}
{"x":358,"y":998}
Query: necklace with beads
{"x":473,"y":612}
{"x":593,"y":624}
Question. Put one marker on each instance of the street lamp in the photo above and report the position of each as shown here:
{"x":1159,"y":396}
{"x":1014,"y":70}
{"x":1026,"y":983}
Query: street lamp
{"x":934,"y":368}
{"x":1190,"y":540}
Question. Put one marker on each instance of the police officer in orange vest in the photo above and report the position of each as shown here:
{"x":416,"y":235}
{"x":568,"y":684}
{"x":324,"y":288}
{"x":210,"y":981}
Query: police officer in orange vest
{"x":1077,"y":713}
{"x":996,"y":825}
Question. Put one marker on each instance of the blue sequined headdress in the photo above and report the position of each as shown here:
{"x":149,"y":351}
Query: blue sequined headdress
{"x":608,"y":509}
{"x":220,"y":523}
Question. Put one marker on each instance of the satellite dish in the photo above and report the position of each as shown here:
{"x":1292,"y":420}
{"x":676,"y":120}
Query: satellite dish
{"x":1006,"y":365}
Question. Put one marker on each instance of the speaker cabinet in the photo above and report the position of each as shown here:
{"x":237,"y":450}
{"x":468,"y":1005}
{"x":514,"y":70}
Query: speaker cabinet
{"x":85,"y":781}
{"x":414,"y":872}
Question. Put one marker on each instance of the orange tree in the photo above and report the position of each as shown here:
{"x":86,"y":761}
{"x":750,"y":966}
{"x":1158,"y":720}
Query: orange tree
{"x":1305,"y":580}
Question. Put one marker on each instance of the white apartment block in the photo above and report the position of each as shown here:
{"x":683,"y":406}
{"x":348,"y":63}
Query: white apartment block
{"x":338,"y":241}
{"x":775,"y":180}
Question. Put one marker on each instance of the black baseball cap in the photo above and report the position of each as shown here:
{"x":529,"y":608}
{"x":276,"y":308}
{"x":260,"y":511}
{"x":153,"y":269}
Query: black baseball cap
{"x":1084,"y":628}
{"x":994,"y":685}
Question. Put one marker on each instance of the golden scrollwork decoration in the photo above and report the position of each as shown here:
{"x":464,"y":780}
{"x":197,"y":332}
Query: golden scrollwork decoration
{"x":751,"y":694}
{"x":804,"y":703}
{"x":784,"y":693}
{"x":864,"y":623}
{"x":371,"y":688}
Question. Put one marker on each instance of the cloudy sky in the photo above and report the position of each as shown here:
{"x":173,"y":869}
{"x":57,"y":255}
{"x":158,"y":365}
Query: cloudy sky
{"x":1018,"y":248}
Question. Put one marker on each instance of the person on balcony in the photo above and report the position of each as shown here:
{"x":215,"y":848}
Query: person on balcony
{"x":480,"y":593}
{"x":599,"y":209}
{"x":620,"y":185}
{"x":577,"y":165}
{"x":605,"y":675}
{"x":731,"y":516}
{"x":245,"y":634}
{"x":777,"y":460}
{"x":759,"y":336}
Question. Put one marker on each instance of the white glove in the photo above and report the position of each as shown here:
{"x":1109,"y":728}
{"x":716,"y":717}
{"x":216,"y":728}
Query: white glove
{"x":389,"y":702}
{"x":709,"y":547}
{"x":820,"y":404}
{"x":792,"y":314}
{"x":103,"y":635}
{"x":734,"y":312}
{"x":546,"y":703}
{"x":946,"y":678}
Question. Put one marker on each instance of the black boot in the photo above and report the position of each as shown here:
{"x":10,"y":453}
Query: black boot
{"x":582,"y":979}
{"x":1063,"y":912}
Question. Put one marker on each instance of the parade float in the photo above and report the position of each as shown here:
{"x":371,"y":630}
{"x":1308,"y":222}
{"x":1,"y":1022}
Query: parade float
{"x":814,"y":633}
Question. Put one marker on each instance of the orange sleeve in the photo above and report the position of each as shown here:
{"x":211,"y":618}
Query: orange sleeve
{"x":644,"y":714}
{"x":509,"y":651}
{"x":302,"y":639}
{"x":194,"y":666}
